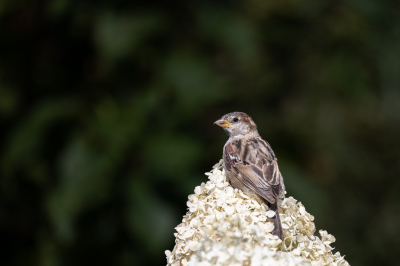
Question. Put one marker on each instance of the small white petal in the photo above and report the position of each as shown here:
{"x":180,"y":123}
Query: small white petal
{"x":197,"y":190}
{"x":168,"y":254}
{"x":262,"y":218}
{"x":229,"y":210}
{"x":267,"y":227}
{"x":210,"y":186}
{"x":193,"y":245}
{"x":270,"y":214}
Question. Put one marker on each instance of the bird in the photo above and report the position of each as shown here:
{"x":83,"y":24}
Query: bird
{"x":251,"y":165}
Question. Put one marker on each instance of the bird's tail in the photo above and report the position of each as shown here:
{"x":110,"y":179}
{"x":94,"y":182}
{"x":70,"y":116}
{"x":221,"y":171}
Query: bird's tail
{"x":278,"y":231}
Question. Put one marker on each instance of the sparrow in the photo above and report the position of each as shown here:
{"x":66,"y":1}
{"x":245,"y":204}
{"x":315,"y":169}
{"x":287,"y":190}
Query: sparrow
{"x":251,"y":165}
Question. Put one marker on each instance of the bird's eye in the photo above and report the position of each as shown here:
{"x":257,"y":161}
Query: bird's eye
{"x":235,"y":119}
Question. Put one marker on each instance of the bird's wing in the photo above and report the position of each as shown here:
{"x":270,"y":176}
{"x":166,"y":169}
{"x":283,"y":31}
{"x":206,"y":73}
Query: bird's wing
{"x":254,"y":163}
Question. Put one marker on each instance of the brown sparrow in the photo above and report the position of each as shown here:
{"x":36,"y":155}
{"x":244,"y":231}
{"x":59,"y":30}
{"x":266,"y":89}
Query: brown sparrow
{"x":251,"y":165}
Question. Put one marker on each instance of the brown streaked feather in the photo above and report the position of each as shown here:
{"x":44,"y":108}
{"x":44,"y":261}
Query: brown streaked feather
{"x":254,"y":164}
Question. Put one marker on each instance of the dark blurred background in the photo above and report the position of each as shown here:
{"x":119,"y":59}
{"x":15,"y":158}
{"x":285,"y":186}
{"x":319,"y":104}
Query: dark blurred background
{"x":107,"y":111}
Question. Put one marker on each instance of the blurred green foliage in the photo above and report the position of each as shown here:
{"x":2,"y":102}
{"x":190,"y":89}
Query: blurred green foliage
{"x":107,"y":111}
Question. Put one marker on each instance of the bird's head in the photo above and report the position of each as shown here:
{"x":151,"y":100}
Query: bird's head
{"x":237,"y":123}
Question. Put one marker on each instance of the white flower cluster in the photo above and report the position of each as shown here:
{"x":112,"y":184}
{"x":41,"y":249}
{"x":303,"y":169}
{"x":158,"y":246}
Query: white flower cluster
{"x":225,"y":227}
{"x":240,"y":244}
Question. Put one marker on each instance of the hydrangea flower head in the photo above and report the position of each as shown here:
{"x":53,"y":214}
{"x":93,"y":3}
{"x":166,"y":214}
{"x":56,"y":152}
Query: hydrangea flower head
{"x":223,"y":226}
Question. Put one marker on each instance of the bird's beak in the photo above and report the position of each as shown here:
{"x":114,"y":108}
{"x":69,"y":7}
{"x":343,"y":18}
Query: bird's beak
{"x":222,"y":123}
